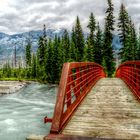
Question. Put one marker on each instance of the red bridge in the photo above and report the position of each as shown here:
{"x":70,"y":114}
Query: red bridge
{"x":91,"y":106}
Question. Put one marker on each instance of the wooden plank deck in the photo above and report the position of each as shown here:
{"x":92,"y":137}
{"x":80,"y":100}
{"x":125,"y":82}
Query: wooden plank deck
{"x":110,"y":110}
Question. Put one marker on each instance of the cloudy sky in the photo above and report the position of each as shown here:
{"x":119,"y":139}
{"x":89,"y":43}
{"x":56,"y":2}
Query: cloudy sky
{"x":23,"y":15}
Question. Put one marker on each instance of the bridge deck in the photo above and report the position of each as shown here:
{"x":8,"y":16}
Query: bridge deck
{"x":110,"y":110}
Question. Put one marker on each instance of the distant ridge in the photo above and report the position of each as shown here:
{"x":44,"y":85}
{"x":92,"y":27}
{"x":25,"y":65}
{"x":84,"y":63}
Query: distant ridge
{"x":7,"y":42}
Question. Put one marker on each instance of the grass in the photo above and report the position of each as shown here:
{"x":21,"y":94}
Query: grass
{"x":16,"y":79}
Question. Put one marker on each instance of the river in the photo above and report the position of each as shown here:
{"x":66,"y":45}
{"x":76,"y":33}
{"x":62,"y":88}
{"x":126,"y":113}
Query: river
{"x":22,"y":113}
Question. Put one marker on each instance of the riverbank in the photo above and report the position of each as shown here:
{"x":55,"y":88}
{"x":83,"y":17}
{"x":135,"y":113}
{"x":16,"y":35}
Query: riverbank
{"x":29,"y":80}
{"x":8,"y":87}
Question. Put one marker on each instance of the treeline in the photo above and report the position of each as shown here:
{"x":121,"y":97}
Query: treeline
{"x":46,"y":63}
{"x":129,"y":38}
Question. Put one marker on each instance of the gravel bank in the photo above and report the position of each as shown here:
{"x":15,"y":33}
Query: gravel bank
{"x":8,"y":87}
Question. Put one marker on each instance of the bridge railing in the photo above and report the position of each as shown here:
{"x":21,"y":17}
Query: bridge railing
{"x":77,"y":79}
{"x":130,"y":73}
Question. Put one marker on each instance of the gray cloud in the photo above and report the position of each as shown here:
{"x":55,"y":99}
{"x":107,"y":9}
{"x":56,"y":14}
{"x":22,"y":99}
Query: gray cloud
{"x":24,"y":15}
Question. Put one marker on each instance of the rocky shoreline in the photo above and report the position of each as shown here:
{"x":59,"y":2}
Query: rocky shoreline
{"x":8,"y":87}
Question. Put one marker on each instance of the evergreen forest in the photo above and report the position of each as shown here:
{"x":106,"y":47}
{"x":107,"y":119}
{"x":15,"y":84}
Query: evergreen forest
{"x":45,"y":65}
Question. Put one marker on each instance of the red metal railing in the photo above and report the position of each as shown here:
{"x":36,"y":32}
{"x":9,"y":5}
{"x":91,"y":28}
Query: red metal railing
{"x":130,"y":73}
{"x":77,"y":79}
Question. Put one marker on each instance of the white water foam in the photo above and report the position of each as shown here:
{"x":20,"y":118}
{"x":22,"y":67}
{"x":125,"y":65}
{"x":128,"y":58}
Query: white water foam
{"x":9,"y":122}
{"x":31,"y":102}
{"x":22,"y":113}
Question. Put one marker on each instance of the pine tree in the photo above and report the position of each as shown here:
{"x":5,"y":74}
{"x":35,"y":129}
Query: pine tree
{"x":123,"y":24}
{"x":92,"y":26}
{"x":91,"y":39}
{"x":90,"y":50}
{"x":42,"y":47}
{"x":127,"y":36}
{"x":107,"y":48}
{"x":98,"y":46}
{"x":79,"y":39}
{"x":86,"y":53}
{"x":124,"y":34}
{"x":49,"y":61}
{"x":19,"y":70}
{"x":28,"y":54}
{"x":34,"y":66}
{"x":73,"y":36}
{"x":63,"y":54}
{"x":41,"y":56}
{"x":73,"y":51}
{"x":55,"y":62}
{"x":138,"y":47}
{"x":6,"y":70}
{"x":133,"y":42}
{"x":65,"y":45}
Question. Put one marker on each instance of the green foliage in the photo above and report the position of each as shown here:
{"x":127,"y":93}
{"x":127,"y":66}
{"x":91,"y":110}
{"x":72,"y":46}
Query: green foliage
{"x":107,"y":47}
{"x":133,"y":41}
{"x":98,"y":58}
{"x":91,"y":38}
{"x":42,"y":44}
{"x":49,"y":61}
{"x":138,"y":47}
{"x":92,"y":24}
{"x":46,"y":64}
{"x":41,"y":51}
{"x":34,"y":66}
{"x":28,"y":53}
{"x":6,"y":71}
{"x":65,"y":45}
{"x":127,"y":36}
{"x":88,"y":51}
{"x":123,"y":24}
{"x":56,"y":60}
{"x":41,"y":55}
{"x":79,"y":40}
{"x":72,"y":52}
{"x":86,"y":55}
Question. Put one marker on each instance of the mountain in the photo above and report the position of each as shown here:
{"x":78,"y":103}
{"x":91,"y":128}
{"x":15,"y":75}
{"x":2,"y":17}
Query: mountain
{"x":8,"y":43}
{"x":116,"y":42}
{"x":2,"y":35}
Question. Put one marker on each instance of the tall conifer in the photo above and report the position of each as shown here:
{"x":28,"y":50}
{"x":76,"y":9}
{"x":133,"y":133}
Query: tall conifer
{"x":98,"y":46}
{"x":108,"y":36}
{"x":138,"y":47}
{"x":91,"y":38}
{"x":65,"y":45}
{"x":128,"y":37}
{"x":42,"y":47}
{"x":79,"y":39}
{"x":28,"y":52}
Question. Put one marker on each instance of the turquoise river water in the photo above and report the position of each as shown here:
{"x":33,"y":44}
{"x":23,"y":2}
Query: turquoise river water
{"x":22,"y":113}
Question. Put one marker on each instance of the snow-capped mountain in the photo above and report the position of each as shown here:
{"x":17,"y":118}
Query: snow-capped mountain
{"x":8,"y":42}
